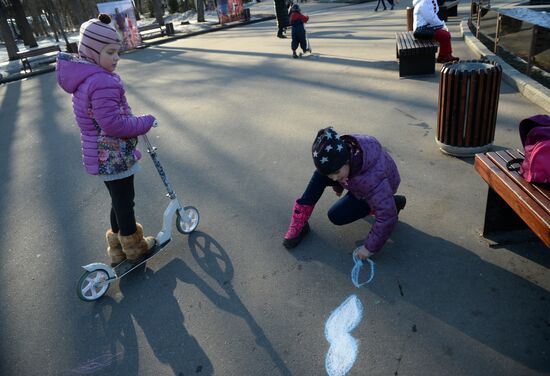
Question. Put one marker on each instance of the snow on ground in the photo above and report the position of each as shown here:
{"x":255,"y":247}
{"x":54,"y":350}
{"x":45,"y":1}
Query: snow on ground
{"x":183,"y":22}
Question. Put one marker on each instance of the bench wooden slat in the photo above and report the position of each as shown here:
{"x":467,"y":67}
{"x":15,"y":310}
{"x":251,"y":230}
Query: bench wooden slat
{"x":34,"y":52}
{"x":537,"y":193}
{"x":543,"y":189}
{"x":515,"y":196}
{"x":415,"y":56}
{"x":151,"y":31}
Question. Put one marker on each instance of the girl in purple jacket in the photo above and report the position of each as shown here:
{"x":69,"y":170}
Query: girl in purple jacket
{"x":358,"y":164}
{"x":108,"y":130}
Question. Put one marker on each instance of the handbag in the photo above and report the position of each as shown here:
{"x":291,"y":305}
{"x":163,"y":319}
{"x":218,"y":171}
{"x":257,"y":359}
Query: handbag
{"x":535,"y":137}
{"x":425,"y":32}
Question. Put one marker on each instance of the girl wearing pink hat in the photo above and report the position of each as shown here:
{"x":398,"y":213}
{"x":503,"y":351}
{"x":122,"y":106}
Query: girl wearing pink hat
{"x":108,"y":130}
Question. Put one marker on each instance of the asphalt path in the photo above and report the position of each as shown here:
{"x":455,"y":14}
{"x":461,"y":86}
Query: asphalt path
{"x":237,"y":117}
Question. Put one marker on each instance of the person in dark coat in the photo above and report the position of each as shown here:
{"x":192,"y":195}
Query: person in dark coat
{"x":281,"y":11}
{"x":378,"y":4}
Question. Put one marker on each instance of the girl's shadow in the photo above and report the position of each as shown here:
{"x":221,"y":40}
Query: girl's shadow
{"x":213,"y":259}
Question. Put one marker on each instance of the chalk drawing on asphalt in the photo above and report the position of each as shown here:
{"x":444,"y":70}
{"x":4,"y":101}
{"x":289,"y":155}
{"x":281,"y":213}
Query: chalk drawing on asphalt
{"x":342,"y":352}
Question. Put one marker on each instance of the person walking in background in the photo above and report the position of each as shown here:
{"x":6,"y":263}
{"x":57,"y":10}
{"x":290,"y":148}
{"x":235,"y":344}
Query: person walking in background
{"x":297,"y":21}
{"x":281,"y":11}
{"x":378,"y":4}
{"x":425,"y":17}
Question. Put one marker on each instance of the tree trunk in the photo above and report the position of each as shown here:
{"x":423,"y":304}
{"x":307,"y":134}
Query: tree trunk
{"x":159,"y":13}
{"x":9,"y":41}
{"x":23,"y":24}
{"x":137,"y":9}
{"x":88,"y":11}
{"x":37,"y":22}
{"x":200,"y":10}
{"x":76,"y":14}
{"x":49,"y":17}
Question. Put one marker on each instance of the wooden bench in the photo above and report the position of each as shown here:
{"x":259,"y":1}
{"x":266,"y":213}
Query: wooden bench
{"x":512,"y":203}
{"x":151,"y":31}
{"x":448,"y":9}
{"x":415,"y":56}
{"x":39,"y":51}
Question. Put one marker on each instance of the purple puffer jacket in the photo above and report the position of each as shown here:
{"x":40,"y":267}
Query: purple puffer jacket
{"x":376,"y":183}
{"x":98,"y":93}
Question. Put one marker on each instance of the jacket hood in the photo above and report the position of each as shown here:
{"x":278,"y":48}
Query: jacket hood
{"x":415,"y":2}
{"x":72,"y":70}
{"x":371,"y":150}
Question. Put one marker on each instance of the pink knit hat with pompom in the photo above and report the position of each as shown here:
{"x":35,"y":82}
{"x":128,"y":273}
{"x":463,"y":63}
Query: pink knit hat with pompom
{"x":94,"y":35}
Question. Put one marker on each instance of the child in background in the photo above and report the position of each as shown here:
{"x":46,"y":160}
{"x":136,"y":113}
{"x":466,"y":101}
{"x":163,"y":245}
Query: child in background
{"x":297,"y":21}
{"x":378,"y":4}
{"x":108,"y":130}
{"x":359,"y":164}
{"x":425,"y":15}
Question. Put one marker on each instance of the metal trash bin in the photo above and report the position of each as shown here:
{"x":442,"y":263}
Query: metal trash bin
{"x":169,"y":28}
{"x":467,"y":110}
{"x":72,"y":47}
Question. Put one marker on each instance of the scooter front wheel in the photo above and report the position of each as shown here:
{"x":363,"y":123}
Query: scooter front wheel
{"x":189,"y":225}
{"x":93,"y":285}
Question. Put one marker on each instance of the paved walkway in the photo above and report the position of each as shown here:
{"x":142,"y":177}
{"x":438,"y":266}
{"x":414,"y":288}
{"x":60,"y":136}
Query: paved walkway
{"x":237,"y":117}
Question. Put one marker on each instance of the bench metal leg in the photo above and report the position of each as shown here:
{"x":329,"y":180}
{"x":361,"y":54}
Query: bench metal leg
{"x":499,"y":216}
{"x":443,"y":14}
{"x":26,"y":65}
{"x":416,"y":65}
{"x":452,"y":11}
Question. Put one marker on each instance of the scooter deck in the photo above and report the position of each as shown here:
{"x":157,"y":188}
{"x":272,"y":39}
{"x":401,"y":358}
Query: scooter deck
{"x":126,"y":266}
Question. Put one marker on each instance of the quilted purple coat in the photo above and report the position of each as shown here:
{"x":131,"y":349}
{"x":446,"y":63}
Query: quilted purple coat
{"x":98,"y":93}
{"x":376,"y":183}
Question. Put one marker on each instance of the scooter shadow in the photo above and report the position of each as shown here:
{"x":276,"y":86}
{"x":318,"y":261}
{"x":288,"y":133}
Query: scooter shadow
{"x":149,"y":298}
{"x":213,"y":259}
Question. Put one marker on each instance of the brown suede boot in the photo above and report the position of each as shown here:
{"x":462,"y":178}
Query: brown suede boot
{"x":114,"y":249}
{"x":135,"y":246}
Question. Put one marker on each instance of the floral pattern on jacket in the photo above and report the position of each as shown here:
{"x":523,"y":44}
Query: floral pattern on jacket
{"x":115,"y":154}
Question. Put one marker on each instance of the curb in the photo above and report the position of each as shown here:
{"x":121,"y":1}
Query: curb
{"x":216,"y":27}
{"x":529,"y":88}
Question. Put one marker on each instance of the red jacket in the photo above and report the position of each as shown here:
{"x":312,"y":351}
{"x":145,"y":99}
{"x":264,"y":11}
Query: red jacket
{"x":298,"y":17}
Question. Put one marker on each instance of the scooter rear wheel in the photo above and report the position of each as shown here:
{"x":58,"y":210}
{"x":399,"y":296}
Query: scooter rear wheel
{"x":93,"y":285}
{"x":187,"y":227}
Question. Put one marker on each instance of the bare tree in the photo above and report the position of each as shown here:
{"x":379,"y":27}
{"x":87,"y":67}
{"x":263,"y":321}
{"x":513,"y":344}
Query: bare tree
{"x":159,"y":13}
{"x":23,"y":24}
{"x":200,"y":10}
{"x":9,"y":40}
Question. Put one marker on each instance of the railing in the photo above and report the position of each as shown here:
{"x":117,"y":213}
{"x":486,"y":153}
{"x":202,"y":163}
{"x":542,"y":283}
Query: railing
{"x":519,"y":35}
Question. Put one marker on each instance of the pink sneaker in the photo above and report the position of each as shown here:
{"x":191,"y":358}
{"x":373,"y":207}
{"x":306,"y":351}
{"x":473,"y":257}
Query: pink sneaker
{"x":298,"y":227}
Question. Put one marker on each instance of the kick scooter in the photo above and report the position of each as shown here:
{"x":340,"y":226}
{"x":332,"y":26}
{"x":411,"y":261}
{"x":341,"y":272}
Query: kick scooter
{"x":98,"y":276}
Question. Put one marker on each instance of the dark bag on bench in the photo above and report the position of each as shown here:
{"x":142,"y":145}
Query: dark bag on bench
{"x":425,"y":32}
{"x":535,"y":137}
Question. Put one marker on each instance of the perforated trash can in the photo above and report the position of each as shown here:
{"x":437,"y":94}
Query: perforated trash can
{"x":169,"y":28}
{"x":468,"y":102}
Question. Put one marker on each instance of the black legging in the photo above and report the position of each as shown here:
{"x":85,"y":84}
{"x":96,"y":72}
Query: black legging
{"x":122,"y":195}
{"x":346,"y":210}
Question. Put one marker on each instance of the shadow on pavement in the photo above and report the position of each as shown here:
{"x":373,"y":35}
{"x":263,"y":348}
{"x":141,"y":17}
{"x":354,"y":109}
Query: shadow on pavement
{"x":492,"y":305}
{"x":148,"y":298}
{"x":213,"y":259}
